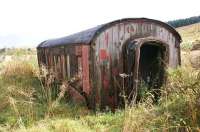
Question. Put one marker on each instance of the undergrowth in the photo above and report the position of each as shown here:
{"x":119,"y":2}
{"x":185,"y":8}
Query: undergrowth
{"x":28,"y":105}
{"x":178,"y":108}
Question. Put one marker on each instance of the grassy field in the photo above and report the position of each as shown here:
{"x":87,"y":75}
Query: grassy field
{"x":190,"y":34}
{"x":27,"y":105}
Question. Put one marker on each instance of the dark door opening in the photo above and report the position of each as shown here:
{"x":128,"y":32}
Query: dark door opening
{"x":151,"y":68}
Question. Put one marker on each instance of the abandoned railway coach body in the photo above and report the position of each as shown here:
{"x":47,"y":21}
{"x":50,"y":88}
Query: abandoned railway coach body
{"x":114,"y":58}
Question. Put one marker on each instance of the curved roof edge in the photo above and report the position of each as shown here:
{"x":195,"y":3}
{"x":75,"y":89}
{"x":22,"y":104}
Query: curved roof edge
{"x":87,"y":36}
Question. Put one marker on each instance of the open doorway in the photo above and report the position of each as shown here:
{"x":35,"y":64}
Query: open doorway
{"x":146,"y":68}
{"x":151,"y":68}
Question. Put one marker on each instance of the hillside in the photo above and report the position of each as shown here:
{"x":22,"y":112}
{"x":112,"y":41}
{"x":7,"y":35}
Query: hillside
{"x":189,"y":34}
{"x":191,"y":39}
{"x":28,"y":106}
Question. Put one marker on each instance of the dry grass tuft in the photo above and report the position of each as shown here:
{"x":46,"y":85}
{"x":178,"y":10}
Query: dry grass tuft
{"x":18,"y":69}
{"x":178,"y":108}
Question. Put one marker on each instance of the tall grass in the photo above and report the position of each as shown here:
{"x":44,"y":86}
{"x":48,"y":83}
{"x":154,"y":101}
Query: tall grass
{"x":19,"y":87}
{"x":27,"y":104}
{"x":178,"y":108}
{"x":26,"y":98}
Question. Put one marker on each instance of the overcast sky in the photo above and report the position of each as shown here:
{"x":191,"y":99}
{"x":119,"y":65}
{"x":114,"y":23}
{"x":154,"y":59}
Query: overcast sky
{"x":25,"y":23}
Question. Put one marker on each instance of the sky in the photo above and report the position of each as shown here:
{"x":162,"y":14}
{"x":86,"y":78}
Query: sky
{"x":26,"y":23}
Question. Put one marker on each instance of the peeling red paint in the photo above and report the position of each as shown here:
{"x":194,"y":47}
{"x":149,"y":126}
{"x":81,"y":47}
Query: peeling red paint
{"x":103,"y":54}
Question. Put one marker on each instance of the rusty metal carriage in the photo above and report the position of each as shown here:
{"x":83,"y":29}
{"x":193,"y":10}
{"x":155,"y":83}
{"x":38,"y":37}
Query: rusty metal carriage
{"x":113,"y":58}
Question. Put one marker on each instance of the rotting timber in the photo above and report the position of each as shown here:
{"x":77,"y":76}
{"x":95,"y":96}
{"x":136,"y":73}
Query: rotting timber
{"x":113,"y":58}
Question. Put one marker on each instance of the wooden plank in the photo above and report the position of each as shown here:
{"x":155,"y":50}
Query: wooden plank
{"x":127,"y":32}
{"x":132,"y":29}
{"x":68,"y":67}
{"x":115,"y":40}
{"x":85,"y":72}
{"x":115,"y":64}
{"x":110,"y":86}
{"x":121,"y":34}
{"x":63,"y":66}
{"x":59,"y":67}
{"x":98,"y":72}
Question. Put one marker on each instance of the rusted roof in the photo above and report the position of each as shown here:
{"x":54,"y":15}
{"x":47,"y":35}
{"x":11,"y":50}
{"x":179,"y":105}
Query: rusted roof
{"x":86,"y":37}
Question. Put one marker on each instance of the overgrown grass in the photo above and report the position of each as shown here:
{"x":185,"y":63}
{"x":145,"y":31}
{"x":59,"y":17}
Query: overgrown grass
{"x":178,"y":108}
{"x":20,"y":87}
{"x":25,"y":107}
{"x":24,"y":100}
{"x":100,"y":122}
